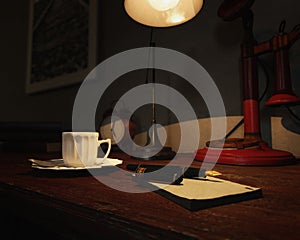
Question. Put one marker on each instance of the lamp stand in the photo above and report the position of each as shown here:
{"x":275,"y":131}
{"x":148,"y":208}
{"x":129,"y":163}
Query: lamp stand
{"x":153,"y":149}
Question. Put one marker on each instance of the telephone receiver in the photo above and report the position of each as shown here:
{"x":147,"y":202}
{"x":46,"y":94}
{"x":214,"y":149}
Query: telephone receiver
{"x":280,"y":44}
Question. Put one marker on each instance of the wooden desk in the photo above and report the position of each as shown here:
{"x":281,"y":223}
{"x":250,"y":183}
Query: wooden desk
{"x":80,"y":207}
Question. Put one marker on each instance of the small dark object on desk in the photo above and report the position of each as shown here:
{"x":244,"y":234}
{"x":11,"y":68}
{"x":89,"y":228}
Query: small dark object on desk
{"x":166,"y":174}
{"x":171,"y":176}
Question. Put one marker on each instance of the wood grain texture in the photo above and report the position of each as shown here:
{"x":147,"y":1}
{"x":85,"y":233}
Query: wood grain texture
{"x":78,"y":206}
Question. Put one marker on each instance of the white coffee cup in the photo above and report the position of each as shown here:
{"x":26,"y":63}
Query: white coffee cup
{"x":80,"y":149}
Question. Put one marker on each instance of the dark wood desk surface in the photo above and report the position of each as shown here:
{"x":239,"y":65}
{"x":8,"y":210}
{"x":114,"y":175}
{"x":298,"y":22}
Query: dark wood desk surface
{"x":75,"y":207}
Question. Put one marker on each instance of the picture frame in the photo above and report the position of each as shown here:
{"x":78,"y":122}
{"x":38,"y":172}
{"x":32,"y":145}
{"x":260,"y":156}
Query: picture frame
{"x":61,"y":43}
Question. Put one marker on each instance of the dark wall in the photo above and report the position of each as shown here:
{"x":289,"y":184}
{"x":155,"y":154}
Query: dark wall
{"x":209,"y":40}
{"x":15,"y":104}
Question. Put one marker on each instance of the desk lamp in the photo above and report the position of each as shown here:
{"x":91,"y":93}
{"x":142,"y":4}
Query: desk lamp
{"x":160,"y":13}
{"x":250,"y":150}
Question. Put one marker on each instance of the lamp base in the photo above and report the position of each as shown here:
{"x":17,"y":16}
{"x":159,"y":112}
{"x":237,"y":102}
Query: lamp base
{"x":165,"y":153}
{"x":260,"y":155}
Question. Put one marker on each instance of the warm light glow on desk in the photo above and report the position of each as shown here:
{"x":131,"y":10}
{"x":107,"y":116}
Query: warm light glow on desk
{"x":162,"y":13}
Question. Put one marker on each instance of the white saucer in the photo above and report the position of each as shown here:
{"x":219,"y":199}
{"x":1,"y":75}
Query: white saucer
{"x":58,"y":164}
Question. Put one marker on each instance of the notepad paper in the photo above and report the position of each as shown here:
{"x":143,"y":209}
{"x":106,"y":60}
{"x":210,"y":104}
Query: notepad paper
{"x":196,"y":194}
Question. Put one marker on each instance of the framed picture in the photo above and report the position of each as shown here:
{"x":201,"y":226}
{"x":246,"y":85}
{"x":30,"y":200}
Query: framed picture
{"x":61,"y":43}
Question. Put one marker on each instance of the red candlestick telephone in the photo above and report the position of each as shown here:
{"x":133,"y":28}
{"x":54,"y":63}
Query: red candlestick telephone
{"x":252,"y":150}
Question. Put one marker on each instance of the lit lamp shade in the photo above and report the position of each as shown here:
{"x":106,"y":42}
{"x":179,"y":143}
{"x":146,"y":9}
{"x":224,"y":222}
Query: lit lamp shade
{"x":162,"y":13}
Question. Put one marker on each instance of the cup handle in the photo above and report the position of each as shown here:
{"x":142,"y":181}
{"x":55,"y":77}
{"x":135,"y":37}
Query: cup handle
{"x":109,"y":146}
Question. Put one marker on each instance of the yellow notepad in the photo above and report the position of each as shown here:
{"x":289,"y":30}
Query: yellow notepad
{"x":195,"y":194}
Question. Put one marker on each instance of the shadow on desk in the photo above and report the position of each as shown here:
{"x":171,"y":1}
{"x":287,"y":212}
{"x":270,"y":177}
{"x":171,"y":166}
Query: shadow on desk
{"x":69,"y":174}
{"x":15,"y":227}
